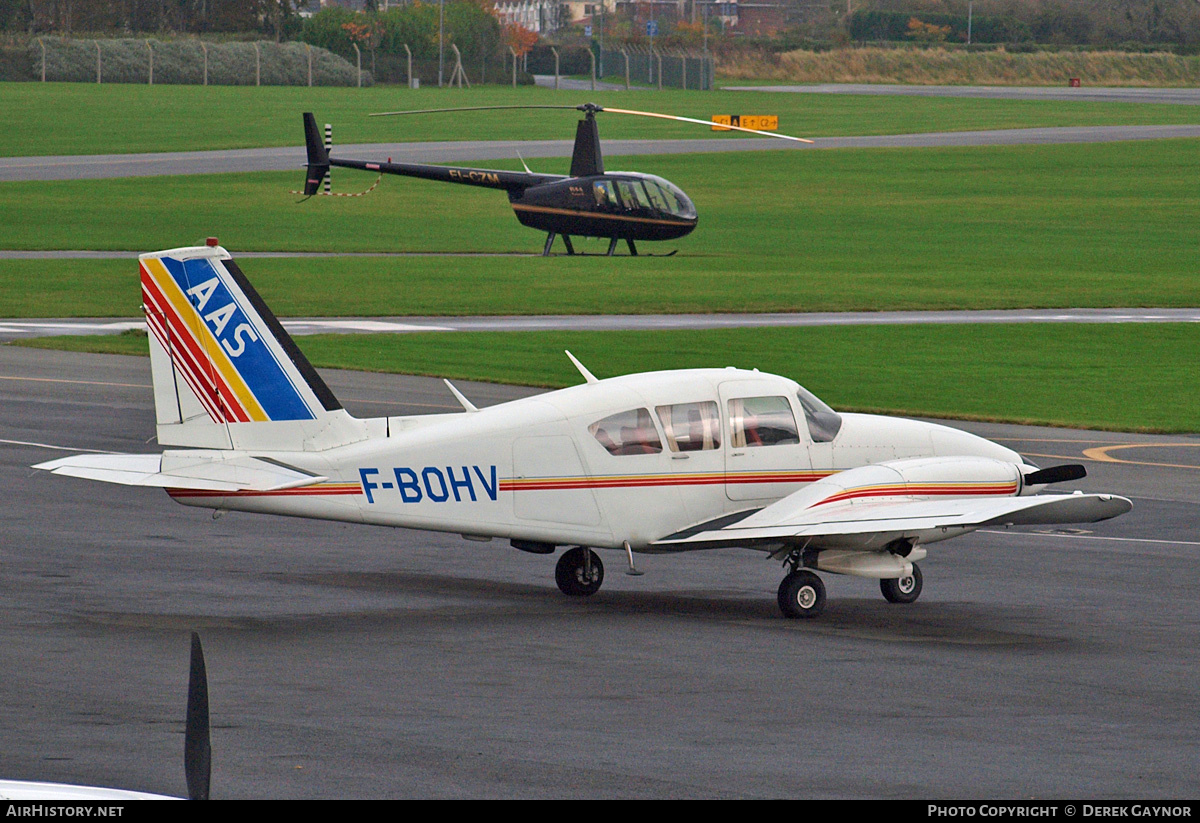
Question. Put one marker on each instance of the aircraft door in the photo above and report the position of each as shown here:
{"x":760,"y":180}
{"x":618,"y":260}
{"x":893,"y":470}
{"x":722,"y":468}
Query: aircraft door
{"x":693,"y":446}
{"x":766,"y":456}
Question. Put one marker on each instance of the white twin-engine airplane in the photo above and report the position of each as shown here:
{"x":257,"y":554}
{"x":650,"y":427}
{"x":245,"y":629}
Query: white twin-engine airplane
{"x":662,"y":462}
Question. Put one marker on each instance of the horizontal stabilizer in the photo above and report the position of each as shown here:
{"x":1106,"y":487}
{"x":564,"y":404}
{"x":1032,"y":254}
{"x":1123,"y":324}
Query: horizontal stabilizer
{"x":206,"y":471}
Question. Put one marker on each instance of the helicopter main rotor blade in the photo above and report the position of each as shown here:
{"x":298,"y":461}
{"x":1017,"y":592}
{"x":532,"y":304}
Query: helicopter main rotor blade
{"x":706,"y":123}
{"x":592,"y":108}
{"x":464,"y":108}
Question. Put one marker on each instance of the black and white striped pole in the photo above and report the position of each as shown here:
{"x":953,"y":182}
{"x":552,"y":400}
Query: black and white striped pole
{"x":328,"y":149}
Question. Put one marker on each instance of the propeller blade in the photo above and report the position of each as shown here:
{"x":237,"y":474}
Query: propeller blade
{"x":197,"y":747}
{"x":1056,"y":474}
{"x":705,"y":123}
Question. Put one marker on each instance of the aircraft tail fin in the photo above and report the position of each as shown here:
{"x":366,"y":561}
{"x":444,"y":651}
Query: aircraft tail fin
{"x":226,"y":374}
{"x":318,"y":158}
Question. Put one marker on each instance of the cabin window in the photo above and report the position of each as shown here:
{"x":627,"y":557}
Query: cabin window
{"x":691,"y":427}
{"x":761,"y":421}
{"x":628,"y":432}
{"x":823,"y":422}
{"x":606,"y":198}
{"x":633,"y":195}
{"x":657,"y":198}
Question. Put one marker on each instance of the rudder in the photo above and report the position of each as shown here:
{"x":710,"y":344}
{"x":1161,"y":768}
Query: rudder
{"x":226,"y":374}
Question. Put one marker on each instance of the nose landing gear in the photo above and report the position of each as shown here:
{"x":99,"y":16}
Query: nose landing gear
{"x":902,"y":589}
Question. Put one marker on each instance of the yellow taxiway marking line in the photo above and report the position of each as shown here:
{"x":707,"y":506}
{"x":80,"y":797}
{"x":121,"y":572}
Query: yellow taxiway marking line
{"x":1102,"y":454}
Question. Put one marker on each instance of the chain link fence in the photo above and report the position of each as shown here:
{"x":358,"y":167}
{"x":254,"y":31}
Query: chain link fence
{"x":640,"y":66}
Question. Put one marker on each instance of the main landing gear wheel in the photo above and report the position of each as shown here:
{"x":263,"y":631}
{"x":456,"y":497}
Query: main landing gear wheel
{"x":579,"y":572}
{"x":902,"y":589}
{"x":801,"y":594}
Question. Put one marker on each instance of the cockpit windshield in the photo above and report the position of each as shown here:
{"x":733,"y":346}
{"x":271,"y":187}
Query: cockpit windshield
{"x":673,"y":200}
{"x":823,"y":422}
{"x":654,"y":194}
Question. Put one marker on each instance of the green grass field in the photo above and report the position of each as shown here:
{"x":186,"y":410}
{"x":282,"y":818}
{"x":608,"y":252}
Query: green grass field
{"x":83,"y":118}
{"x":1093,"y":376}
{"x":1026,"y":226}
{"x":1095,"y":225}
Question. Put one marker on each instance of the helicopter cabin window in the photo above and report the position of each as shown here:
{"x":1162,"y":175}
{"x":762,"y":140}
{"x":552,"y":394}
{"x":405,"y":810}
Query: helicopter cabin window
{"x":657,"y":197}
{"x":691,"y":427}
{"x":606,"y":198}
{"x":823,"y":422}
{"x":761,"y":421}
{"x":633,"y":195}
{"x":628,"y":432}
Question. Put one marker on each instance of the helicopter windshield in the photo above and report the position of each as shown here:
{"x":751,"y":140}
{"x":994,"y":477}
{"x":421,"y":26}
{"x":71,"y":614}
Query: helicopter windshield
{"x":653,"y":194}
{"x":669,"y":198}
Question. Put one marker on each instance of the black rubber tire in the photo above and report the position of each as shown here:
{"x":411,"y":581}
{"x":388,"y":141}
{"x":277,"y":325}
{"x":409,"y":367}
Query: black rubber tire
{"x":801,"y":595}
{"x":902,"y":589}
{"x":570,"y":573}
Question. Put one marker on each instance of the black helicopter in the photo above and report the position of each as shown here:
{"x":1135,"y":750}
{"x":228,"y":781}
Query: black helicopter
{"x":588,"y":202}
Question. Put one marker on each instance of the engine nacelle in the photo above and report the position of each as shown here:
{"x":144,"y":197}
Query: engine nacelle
{"x":880,"y":565}
{"x":921,"y":478}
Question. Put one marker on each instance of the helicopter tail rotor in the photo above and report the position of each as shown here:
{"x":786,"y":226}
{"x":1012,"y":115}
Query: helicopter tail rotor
{"x":318,"y":158}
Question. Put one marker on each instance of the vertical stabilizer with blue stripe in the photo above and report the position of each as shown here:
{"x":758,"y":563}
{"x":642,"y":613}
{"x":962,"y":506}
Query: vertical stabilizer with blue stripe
{"x":226,"y":374}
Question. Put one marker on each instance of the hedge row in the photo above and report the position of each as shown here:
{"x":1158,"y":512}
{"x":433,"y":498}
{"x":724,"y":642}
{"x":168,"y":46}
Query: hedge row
{"x":182,"y":62}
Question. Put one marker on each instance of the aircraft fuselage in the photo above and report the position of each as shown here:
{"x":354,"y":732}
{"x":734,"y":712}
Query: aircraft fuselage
{"x":563,"y":468}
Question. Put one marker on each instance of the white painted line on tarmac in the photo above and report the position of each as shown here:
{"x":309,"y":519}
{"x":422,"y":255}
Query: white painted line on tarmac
{"x":1093,"y":537}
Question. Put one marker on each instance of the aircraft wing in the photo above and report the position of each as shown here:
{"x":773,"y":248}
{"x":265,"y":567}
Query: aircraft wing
{"x":209,"y":471}
{"x":872,"y":525}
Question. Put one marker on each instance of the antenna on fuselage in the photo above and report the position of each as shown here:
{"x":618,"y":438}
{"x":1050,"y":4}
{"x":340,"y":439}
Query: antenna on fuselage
{"x":466,"y":404}
{"x":587,"y":375}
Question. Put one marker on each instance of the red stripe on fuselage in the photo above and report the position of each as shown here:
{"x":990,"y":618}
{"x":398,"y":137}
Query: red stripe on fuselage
{"x":993,"y":490}
{"x":303,"y":491}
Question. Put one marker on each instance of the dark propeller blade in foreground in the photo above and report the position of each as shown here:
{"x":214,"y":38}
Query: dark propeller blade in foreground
{"x":1056,"y":474}
{"x":197,"y":748}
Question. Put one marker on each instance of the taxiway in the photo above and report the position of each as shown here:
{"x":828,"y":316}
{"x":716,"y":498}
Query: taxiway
{"x":349,"y":661}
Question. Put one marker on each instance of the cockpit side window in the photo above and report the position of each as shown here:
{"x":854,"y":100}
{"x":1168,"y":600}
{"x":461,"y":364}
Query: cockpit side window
{"x":823,"y":422}
{"x":761,"y":421}
{"x":656,"y":197}
{"x":627,"y":432}
{"x":691,"y":427}
{"x":606,"y":198}
{"x":633,"y":194}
